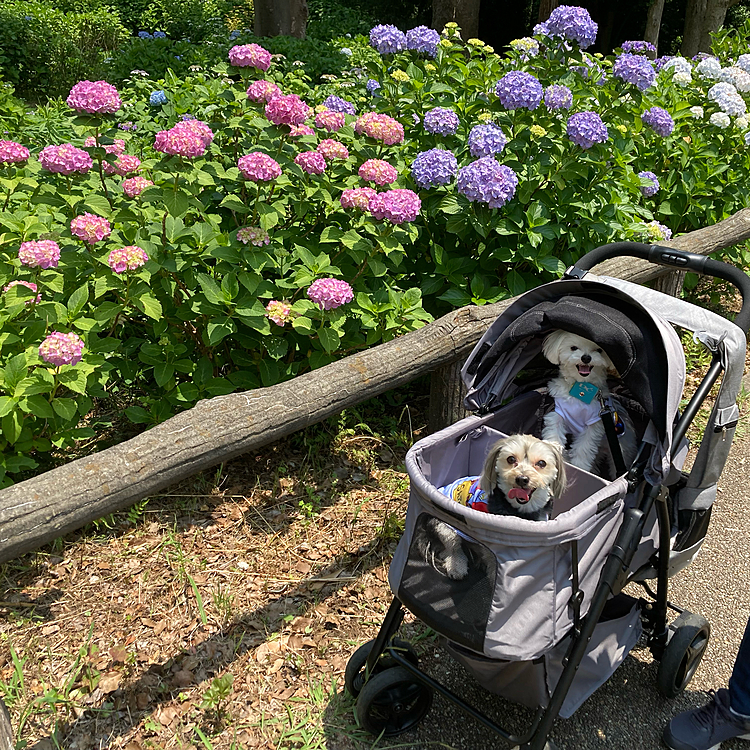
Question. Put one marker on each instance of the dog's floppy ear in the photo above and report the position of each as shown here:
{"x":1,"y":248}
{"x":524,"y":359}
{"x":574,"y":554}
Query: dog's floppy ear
{"x":488,"y":480}
{"x":551,"y":346}
{"x":558,"y":485}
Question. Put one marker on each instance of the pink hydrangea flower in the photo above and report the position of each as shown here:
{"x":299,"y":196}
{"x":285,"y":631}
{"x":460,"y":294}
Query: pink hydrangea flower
{"x":258,"y":167}
{"x":329,"y":294}
{"x":62,"y":349}
{"x":358,"y":198}
{"x":250,"y":56}
{"x":118,"y":147}
{"x":254,"y":235}
{"x":196,"y":127}
{"x":134,"y":186}
{"x":378,"y":171}
{"x":188,"y":138}
{"x":330,"y":120}
{"x":127,"y":258}
{"x":263,"y":91}
{"x":90,"y":228}
{"x":65,"y":159}
{"x":12,"y":153}
{"x":295,"y":131}
{"x":126,"y":164}
{"x":287,"y":110}
{"x":39,"y":254}
{"x":29,"y":285}
{"x":94,"y":98}
{"x":333,"y":149}
{"x":380,"y":127}
{"x":396,"y":206}
{"x":311,"y":162}
{"x":278,"y":312}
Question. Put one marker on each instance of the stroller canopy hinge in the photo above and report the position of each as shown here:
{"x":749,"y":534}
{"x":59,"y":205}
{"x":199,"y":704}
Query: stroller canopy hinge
{"x":573,"y":272}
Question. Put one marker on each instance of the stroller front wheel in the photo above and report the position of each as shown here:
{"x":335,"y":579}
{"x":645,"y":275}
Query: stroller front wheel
{"x":355,"y":677}
{"x":683,"y":653}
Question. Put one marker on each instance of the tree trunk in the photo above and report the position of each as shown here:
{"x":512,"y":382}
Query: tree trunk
{"x":446,"y":396}
{"x":713,"y":20}
{"x":671,"y":283}
{"x":653,"y":24}
{"x":7,"y":741}
{"x":463,"y":12}
{"x":694,"y":15}
{"x":280,"y":18}
{"x":545,"y":8}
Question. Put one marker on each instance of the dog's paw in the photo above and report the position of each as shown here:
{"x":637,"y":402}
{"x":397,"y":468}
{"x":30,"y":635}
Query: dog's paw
{"x":456,"y":566}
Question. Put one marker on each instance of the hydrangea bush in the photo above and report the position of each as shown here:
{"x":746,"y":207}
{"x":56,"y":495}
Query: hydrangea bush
{"x":251,"y":226}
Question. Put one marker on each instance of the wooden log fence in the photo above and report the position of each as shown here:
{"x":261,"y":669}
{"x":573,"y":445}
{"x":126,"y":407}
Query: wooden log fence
{"x":64,"y":499}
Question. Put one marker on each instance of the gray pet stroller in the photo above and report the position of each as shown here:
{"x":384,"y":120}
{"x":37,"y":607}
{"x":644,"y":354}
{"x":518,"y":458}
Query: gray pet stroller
{"x":541,"y":617}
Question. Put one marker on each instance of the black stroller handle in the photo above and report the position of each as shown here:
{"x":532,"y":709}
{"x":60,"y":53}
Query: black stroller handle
{"x":667,"y":256}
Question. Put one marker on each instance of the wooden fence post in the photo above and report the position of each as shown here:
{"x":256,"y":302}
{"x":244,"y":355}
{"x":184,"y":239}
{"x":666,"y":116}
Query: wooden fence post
{"x":446,"y":396}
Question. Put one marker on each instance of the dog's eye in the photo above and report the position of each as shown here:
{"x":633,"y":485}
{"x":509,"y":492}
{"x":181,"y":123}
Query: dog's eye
{"x":541,"y":464}
{"x":512,"y":460}
{"x":573,"y":348}
{"x":599,"y":351}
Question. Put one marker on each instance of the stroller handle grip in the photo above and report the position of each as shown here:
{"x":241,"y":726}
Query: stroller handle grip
{"x":667,"y":256}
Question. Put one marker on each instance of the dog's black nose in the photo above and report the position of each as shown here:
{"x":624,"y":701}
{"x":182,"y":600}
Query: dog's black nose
{"x":586,"y":358}
{"x":522,"y":481}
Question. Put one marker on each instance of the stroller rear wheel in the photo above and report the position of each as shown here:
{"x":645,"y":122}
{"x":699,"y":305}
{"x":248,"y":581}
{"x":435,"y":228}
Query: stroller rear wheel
{"x":392,"y":702}
{"x":355,"y":676}
{"x":683,"y":653}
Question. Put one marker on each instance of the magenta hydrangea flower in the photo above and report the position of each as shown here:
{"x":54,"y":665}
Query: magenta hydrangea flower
{"x":329,"y":294}
{"x":94,"y":98}
{"x":659,"y":120}
{"x":518,"y":90}
{"x":312,"y":162}
{"x":12,"y":153}
{"x":330,"y":120}
{"x":486,"y":181}
{"x":127,"y":258}
{"x":396,"y":206}
{"x":179,"y":143}
{"x":333,"y":149}
{"x":258,"y":167}
{"x":263,"y":91}
{"x":287,"y":110}
{"x":134,"y":186}
{"x":358,"y":198}
{"x":197,"y":128}
{"x":254,"y":235}
{"x":380,"y":127}
{"x":297,"y":131}
{"x":586,"y":128}
{"x":279,"y":312}
{"x":29,"y":285}
{"x":126,"y":164}
{"x":378,"y":171}
{"x":65,"y":159}
{"x":90,"y":228}
{"x":250,"y":56}
{"x":39,"y":254}
{"x":62,"y":349}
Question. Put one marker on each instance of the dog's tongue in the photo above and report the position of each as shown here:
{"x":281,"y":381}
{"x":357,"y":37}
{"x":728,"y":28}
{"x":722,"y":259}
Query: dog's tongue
{"x":519,"y":494}
{"x":584,"y":370}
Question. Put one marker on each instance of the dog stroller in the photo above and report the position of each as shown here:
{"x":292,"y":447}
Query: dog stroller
{"x":541,"y":617}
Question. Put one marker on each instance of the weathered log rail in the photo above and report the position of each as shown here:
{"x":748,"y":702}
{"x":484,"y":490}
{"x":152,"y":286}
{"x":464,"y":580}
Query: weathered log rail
{"x":66,"y":498}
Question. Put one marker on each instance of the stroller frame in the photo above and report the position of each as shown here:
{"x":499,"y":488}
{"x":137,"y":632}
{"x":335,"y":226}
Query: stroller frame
{"x":679,"y":646}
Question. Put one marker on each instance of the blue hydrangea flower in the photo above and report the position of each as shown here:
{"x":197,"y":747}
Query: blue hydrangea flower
{"x":486,"y":140}
{"x":743,"y":61}
{"x":747,"y":138}
{"x":517,"y":89}
{"x":144,"y":35}
{"x":638,"y":48}
{"x":677,"y":64}
{"x":727,"y":99}
{"x":159,"y":35}
{"x":653,"y":187}
{"x":486,"y":181}
{"x":372,"y":85}
{"x":659,"y":120}
{"x":157,"y":98}
{"x":346,"y":51}
{"x":423,"y":39}
{"x":558,"y":97}
{"x":387,"y":39}
{"x":337,"y":104}
{"x":441,"y":121}
{"x":234,"y":34}
{"x":434,"y":167}
{"x":586,"y":128}
{"x":574,"y":24}
{"x":635,"y":69}
{"x":708,"y":67}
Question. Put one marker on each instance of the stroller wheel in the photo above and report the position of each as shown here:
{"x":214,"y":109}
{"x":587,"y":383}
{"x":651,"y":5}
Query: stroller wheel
{"x":392,"y":702}
{"x":683,"y":653}
{"x":355,"y":677}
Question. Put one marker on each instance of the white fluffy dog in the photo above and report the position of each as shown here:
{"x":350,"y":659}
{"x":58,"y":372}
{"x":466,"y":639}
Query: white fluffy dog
{"x":580,"y":392}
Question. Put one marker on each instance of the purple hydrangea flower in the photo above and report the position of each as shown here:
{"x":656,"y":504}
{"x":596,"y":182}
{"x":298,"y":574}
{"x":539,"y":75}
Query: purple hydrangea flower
{"x":517,"y":89}
{"x":337,"y":104}
{"x":591,"y":70}
{"x":653,"y":187}
{"x":574,"y":24}
{"x":558,"y":97}
{"x":486,"y":181}
{"x":434,"y":167}
{"x":541,"y":29}
{"x":423,"y":39}
{"x":638,"y":48}
{"x":635,"y":69}
{"x":372,"y":85}
{"x":659,"y":120}
{"x":660,"y":62}
{"x":441,"y":121}
{"x":586,"y":128}
{"x":387,"y":39}
{"x":486,"y":140}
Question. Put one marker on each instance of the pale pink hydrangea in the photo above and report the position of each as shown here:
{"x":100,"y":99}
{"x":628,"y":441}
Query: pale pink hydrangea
{"x":128,"y":258}
{"x":330,"y":120}
{"x":380,"y":127}
{"x":263,"y":91}
{"x":296,"y":131}
{"x":254,"y":235}
{"x":258,"y":167}
{"x":65,"y":159}
{"x":396,"y":206}
{"x":62,"y":349}
{"x":329,"y":294}
{"x":378,"y":171}
{"x":358,"y":198}
{"x":311,"y":162}
{"x":28,"y":285}
{"x":126,"y":164}
{"x":90,"y":228}
{"x":333,"y":149}
{"x":12,"y":153}
{"x":250,"y":56}
{"x":134,"y":186}
{"x":94,"y":98}
{"x":39,"y":254}
{"x":278,"y":312}
{"x":287,"y":110}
